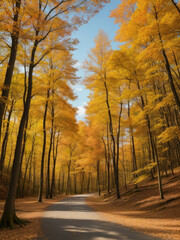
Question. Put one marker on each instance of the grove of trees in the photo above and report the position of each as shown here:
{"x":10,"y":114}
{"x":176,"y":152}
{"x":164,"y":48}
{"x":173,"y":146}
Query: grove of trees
{"x":132,"y":126}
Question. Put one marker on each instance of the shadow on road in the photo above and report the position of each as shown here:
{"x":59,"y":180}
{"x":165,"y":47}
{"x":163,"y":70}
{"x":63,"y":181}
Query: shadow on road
{"x":72,"y":219}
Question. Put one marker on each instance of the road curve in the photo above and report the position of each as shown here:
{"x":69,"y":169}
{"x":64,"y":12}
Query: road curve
{"x":73,"y":219}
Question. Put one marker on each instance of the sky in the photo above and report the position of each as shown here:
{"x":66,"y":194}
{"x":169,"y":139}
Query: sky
{"x":86,"y":35}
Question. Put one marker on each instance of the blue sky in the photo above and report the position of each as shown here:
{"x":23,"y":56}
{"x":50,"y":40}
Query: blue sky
{"x":86,"y":35}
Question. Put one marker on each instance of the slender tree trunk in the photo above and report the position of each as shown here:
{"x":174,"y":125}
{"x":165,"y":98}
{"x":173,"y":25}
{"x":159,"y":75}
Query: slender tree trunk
{"x":82,"y":182}
{"x":159,"y":175}
{"x":75,"y":185}
{"x":153,"y":147}
{"x":88,"y":183}
{"x":71,"y":150}
{"x":176,"y":6}
{"x":176,"y":97}
{"x":44,"y":149}
{"x":149,"y":154}
{"x":34,"y":174}
{"x":48,"y":165}
{"x":9,"y":216}
{"x":177,"y":66}
{"x":113,"y":141}
{"x":25,"y":133}
{"x":62,"y":187}
{"x":11,"y":62}
{"x":107,"y":161}
{"x":30,"y":176}
{"x":68,"y":178}
{"x":177,"y":155}
{"x":10,"y":157}
{"x":117,"y":146}
{"x":27,"y":165}
{"x":169,"y":145}
{"x":132,"y":142}
{"x":112,"y":178}
{"x":5,"y":140}
{"x":4,"y":117}
{"x":59,"y":181}
{"x":167,"y":64}
{"x":123,"y":165}
{"x":21,"y":160}
{"x":54,"y":164}
{"x":104,"y":177}
{"x":24,"y":179}
{"x":98,"y":177}
{"x":155,"y":156}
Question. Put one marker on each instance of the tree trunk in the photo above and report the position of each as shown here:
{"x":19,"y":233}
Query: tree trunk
{"x":107,"y":161}
{"x":44,"y":149}
{"x":98,"y":177}
{"x":48,"y":166}
{"x":54,"y":164}
{"x":113,"y":141}
{"x":176,"y":6}
{"x":10,"y":157}
{"x":68,"y":178}
{"x":5,"y":140}
{"x":132,"y":142}
{"x":59,"y":181}
{"x":123,"y":165}
{"x":34,"y":174}
{"x":88,"y":183}
{"x":153,"y":147}
{"x":62,"y":187}
{"x":75,"y":186}
{"x":30,"y":176}
{"x":9,"y":216}
{"x":159,"y":175}
{"x":117,"y":145}
{"x":11,"y":63}
{"x":149,"y":154}
{"x":167,"y":64}
{"x":27,"y":165}
{"x":21,"y":160}
{"x":155,"y":156}
{"x":82,"y":182}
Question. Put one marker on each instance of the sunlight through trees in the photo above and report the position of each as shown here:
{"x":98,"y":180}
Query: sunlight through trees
{"x":131,"y":131}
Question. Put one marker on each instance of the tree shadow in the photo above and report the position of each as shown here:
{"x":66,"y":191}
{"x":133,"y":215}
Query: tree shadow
{"x":71,"y":229}
{"x":72,"y":219}
{"x":73,"y":204}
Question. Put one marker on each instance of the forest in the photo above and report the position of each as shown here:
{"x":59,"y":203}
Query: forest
{"x":131,"y":131}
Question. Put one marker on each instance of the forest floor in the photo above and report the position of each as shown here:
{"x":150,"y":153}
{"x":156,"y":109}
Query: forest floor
{"x":142,"y":208}
{"x":29,"y":209}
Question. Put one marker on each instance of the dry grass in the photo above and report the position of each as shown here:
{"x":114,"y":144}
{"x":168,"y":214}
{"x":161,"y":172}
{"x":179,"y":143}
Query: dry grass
{"x":143,"y":209}
{"x":31,"y":210}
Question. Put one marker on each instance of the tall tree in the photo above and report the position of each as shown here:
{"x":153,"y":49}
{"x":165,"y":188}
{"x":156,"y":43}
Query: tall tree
{"x":12,"y":58}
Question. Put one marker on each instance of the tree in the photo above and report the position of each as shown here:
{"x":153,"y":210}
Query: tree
{"x":13,"y":51}
{"x":103,"y":78}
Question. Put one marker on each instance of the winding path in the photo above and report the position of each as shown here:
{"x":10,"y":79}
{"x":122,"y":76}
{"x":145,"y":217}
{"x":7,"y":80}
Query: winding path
{"x":73,"y":219}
